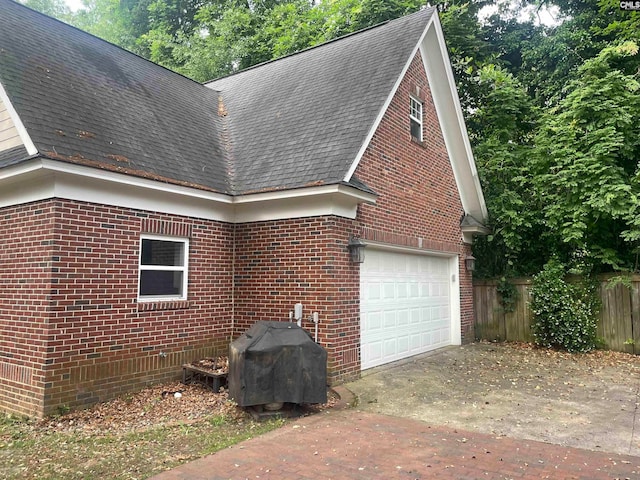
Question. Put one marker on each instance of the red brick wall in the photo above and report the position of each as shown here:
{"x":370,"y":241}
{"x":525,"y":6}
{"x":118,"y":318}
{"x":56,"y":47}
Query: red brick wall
{"x":71,"y":329}
{"x":100,"y":342}
{"x":280,"y":263}
{"x":26,"y":252}
{"x":419,"y":205}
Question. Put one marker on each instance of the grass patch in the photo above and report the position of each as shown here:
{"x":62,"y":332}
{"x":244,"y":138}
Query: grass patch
{"x":28,"y":451}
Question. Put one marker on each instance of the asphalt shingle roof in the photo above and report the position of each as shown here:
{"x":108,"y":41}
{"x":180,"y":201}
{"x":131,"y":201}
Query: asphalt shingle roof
{"x":301,"y":120}
{"x":12,"y":156}
{"x":290,"y":123}
{"x":84,"y":100}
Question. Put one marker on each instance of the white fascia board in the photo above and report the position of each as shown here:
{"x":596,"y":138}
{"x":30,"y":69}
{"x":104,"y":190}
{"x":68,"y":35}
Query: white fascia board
{"x":17,"y":123}
{"x":32,"y":189}
{"x":40,"y":179}
{"x":469,"y":232}
{"x":384,"y":108}
{"x":337,"y":200}
{"x":447,"y":103}
{"x":77,"y":182}
{"x":305,"y":192}
{"x":406,"y":249}
{"x":129,"y":180}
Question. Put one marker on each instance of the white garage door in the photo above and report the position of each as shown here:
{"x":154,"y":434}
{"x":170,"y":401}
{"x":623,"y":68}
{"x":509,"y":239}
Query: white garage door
{"x":405,"y":305}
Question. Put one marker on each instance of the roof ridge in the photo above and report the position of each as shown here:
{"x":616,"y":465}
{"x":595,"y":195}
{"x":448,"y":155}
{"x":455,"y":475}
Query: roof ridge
{"x":319,"y":45}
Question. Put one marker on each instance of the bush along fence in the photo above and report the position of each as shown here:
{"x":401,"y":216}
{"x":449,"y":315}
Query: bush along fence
{"x":502,"y":312}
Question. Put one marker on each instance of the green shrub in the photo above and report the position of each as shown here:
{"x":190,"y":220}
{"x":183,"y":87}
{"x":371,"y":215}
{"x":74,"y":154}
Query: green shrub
{"x":564,"y":314}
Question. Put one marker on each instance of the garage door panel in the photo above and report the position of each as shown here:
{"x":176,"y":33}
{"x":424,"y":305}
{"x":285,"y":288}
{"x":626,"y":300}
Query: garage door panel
{"x":389,"y":320}
{"x":372,"y":321}
{"x":389,"y":291}
{"x":405,"y":306}
{"x":374,"y":351}
{"x":402,"y":345}
{"x":372,"y":291}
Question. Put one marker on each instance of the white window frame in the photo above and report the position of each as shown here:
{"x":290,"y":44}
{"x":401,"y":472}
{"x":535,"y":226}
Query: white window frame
{"x":415,"y":114}
{"x":171,"y":268}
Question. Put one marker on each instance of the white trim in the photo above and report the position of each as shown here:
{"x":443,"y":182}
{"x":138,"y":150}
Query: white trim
{"x":454,"y":292}
{"x":305,"y":192}
{"x":469,"y":232}
{"x":138,"y":182}
{"x":418,"y":119}
{"x":17,"y":123}
{"x":42,"y":178}
{"x":437,"y":65}
{"x":165,"y":268}
{"x":337,"y":200}
{"x":387,"y":102}
{"x":405,"y":249}
{"x":447,"y":103}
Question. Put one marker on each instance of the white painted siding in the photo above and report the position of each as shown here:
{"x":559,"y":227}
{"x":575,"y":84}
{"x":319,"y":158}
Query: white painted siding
{"x":9,"y":136}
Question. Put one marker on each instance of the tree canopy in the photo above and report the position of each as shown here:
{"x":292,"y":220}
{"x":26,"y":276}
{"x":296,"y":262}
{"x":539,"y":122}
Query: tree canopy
{"x":553,"y":111}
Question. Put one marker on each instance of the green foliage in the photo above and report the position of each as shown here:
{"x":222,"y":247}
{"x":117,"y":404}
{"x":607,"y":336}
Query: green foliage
{"x":624,"y":280}
{"x":53,"y":8}
{"x":586,"y":169}
{"x":468,"y":49}
{"x":552,"y":111}
{"x":500,"y":128}
{"x":564,"y":313}
{"x":508,"y":294}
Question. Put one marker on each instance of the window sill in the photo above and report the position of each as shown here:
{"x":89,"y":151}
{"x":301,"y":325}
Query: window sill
{"x":418,"y":142}
{"x":163,"y":305}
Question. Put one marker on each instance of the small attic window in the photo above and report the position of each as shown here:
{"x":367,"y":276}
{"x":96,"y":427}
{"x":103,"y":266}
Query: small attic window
{"x":415,"y":116}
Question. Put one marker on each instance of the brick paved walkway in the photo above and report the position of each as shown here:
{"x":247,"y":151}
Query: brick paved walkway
{"x":348,"y":444}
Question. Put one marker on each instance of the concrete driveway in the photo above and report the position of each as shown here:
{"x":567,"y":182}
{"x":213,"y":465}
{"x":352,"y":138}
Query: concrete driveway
{"x":585,"y":401}
{"x":460,"y":413}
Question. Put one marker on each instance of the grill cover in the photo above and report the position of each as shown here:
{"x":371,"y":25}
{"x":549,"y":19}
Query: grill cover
{"x":277,"y":362}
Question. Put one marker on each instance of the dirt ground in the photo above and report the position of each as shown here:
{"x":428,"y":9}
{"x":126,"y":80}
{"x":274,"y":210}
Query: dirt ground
{"x":581,"y":400}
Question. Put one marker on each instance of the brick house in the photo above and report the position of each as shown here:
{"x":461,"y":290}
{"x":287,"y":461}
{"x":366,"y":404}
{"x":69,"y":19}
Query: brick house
{"x":147,"y":220}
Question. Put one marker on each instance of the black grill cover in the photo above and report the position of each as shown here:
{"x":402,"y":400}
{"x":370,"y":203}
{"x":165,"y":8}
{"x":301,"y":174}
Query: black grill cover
{"x":277,"y":362}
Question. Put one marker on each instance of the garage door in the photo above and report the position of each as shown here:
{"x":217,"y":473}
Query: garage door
{"x":405,"y":305}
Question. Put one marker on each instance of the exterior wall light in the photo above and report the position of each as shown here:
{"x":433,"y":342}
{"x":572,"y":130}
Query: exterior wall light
{"x":470,"y":263}
{"x":356,"y":249}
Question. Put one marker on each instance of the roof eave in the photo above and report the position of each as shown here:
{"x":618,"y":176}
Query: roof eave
{"x":447,"y":103}
{"x":43,"y":178}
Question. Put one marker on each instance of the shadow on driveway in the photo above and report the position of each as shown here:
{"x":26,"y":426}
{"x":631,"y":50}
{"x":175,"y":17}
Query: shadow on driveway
{"x":579,"y":400}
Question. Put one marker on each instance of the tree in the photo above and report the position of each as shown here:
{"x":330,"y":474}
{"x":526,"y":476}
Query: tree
{"x":468,"y":50}
{"x":502,"y":133}
{"x":119,"y":22}
{"x":53,"y":8}
{"x":586,"y":169}
{"x":551,"y":111}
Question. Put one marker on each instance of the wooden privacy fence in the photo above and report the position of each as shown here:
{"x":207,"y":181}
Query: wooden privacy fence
{"x":618,"y":325}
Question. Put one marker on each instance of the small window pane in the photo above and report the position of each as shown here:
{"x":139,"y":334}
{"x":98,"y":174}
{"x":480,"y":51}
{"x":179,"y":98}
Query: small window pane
{"x":415,"y":118}
{"x":416,"y":130}
{"x":416,"y":109}
{"x":159,"y":282}
{"x":162,"y":252}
